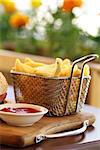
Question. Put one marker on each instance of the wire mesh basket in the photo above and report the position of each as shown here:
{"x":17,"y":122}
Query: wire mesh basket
{"x":62,"y":96}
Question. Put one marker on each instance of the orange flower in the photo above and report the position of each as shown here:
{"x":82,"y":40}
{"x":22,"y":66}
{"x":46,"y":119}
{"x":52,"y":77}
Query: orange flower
{"x":9,"y":6}
{"x":18,"y":20}
{"x":68,"y":5}
{"x":78,"y":3}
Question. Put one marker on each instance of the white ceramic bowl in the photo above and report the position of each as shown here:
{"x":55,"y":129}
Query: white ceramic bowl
{"x":16,"y":119}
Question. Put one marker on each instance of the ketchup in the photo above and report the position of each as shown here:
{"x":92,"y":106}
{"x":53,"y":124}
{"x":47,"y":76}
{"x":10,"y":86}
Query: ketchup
{"x":20,"y":110}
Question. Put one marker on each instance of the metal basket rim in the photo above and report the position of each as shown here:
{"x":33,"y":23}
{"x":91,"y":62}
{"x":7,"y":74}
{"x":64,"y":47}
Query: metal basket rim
{"x":52,"y":78}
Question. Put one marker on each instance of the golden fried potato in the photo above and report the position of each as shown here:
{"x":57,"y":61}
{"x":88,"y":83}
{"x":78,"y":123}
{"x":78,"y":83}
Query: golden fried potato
{"x":59,"y":60}
{"x":49,"y":70}
{"x":61,"y":68}
{"x":58,"y":66}
{"x":77,"y":73}
{"x":65,"y":71}
{"x":65,"y":68}
{"x":66,"y":62}
{"x":20,"y":67}
{"x":86,"y":70}
{"x":32,"y":63}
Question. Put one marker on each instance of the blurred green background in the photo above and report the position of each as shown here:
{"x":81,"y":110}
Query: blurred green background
{"x":54,"y":34}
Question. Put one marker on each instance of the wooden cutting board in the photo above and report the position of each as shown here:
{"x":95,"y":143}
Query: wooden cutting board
{"x":24,"y":136}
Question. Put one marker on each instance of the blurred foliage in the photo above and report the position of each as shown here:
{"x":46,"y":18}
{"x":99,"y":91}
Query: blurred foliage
{"x":61,"y":37}
{"x":69,"y":40}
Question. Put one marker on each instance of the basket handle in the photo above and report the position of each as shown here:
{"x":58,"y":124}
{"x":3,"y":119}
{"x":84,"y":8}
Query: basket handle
{"x":42,"y":137}
{"x":85,"y":60}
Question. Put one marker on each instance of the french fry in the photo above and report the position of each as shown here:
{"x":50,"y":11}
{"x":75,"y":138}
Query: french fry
{"x":77,"y":73}
{"x":65,"y":68}
{"x":65,"y":71}
{"x":61,"y":68}
{"x":49,"y":70}
{"x":66,"y":62}
{"x":59,"y":60}
{"x":32,"y":63}
{"x":46,"y":70}
{"x":20,"y":67}
{"x":86,"y":70}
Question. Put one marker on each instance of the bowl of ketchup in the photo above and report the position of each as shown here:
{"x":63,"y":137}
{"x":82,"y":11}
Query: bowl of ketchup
{"x":20,"y":114}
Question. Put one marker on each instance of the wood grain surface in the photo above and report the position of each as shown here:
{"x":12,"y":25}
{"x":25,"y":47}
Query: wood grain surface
{"x":24,"y":136}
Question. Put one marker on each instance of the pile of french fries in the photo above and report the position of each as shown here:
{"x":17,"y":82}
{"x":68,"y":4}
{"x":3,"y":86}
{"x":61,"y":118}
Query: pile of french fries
{"x":61,"y":68}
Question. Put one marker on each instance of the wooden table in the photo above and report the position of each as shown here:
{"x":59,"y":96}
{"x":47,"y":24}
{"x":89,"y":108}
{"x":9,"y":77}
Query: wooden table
{"x":90,"y":140}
